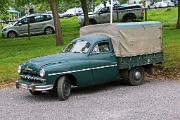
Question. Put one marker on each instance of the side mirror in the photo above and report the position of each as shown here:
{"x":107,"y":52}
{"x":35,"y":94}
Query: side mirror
{"x":19,"y":24}
{"x":100,"y":13}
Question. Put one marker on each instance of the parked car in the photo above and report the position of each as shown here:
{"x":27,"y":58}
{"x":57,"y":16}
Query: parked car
{"x":72,"y":12}
{"x":161,"y":4}
{"x":120,"y":13}
{"x":169,"y":3}
{"x":176,"y":3}
{"x":103,"y":53}
{"x":39,"y":24}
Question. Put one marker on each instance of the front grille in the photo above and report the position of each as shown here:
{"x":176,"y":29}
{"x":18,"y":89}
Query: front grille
{"x":32,"y":78}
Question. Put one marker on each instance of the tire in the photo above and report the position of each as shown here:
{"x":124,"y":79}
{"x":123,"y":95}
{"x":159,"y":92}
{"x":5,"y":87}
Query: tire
{"x":129,"y":18}
{"x":92,"y":22}
{"x":48,"y":31}
{"x":63,"y":88}
{"x":136,"y":76}
{"x":35,"y":92}
{"x":12,"y":34}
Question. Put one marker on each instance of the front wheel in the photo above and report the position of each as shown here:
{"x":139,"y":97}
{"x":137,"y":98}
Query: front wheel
{"x":12,"y":34}
{"x":63,"y":88}
{"x":136,"y":76}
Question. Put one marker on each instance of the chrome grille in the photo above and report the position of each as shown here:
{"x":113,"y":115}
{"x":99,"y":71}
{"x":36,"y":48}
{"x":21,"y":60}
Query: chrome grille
{"x":32,"y":78}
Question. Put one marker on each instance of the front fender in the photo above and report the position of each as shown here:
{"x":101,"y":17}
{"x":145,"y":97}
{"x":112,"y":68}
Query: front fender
{"x":13,"y":29}
{"x":80,"y":69}
{"x":53,"y":72}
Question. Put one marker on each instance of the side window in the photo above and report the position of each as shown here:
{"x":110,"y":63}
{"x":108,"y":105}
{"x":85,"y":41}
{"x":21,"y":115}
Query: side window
{"x":23,"y":21}
{"x":47,"y":17}
{"x":105,"y":10}
{"x":39,"y":18}
{"x":102,"y":47}
{"x":31,"y":19}
{"x":96,"y":50}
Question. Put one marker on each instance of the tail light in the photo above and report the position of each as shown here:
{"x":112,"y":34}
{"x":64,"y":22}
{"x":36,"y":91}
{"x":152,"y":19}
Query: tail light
{"x":142,"y":11}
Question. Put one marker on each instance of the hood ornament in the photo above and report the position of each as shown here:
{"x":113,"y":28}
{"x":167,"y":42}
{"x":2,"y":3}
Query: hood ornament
{"x":28,"y":69}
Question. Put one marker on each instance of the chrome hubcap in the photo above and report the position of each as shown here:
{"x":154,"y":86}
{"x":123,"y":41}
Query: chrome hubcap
{"x":137,"y":75}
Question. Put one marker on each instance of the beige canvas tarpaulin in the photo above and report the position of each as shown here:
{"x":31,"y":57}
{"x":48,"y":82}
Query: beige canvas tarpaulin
{"x":130,"y":39}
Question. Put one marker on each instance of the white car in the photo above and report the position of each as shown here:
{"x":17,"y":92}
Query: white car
{"x":38,"y":24}
{"x":72,"y":12}
{"x":161,"y":4}
{"x":170,"y":3}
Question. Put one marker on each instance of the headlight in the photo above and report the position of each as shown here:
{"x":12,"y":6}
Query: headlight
{"x":19,"y":69}
{"x":42,"y":73}
{"x":4,"y":29}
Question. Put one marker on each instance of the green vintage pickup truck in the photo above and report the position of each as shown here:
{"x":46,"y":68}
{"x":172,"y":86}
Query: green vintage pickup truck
{"x":103,"y":53}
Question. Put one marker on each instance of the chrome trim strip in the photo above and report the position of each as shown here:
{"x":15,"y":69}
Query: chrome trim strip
{"x":40,"y":88}
{"x":82,"y":70}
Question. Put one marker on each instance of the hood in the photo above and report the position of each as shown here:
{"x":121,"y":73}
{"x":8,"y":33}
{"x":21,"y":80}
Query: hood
{"x":37,"y":63}
{"x":8,"y":26}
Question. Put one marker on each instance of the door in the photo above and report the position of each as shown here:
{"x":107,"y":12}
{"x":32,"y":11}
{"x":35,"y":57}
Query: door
{"x":104,"y":15}
{"x":104,"y":63}
{"x":36,"y":24}
{"x":22,"y":27}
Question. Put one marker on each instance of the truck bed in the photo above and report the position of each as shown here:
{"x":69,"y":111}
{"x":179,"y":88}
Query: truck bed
{"x":140,"y":60}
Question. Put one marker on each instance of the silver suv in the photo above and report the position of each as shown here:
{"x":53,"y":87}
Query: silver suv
{"x":39,"y":24}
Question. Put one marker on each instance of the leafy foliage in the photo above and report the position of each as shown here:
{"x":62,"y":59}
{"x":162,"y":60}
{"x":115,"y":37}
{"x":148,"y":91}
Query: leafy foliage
{"x":3,"y":6}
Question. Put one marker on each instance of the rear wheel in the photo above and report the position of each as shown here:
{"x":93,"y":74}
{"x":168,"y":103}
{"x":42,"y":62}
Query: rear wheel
{"x":63,"y":88}
{"x":12,"y":34}
{"x":35,"y":92}
{"x":92,"y":22}
{"x":129,"y":18}
{"x":136,"y":76}
{"x":49,"y":30}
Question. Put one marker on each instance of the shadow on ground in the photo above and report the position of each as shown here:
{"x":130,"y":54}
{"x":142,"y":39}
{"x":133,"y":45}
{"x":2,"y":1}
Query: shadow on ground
{"x":52,"y":96}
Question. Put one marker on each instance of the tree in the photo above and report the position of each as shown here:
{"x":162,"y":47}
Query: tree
{"x":59,"y":37}
{"x":3,"y":6}
{"x":178,"y":21}
{"x":85,"y":11}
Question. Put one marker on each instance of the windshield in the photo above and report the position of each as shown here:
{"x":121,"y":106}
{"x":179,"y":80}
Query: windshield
{"x":79,"y":46}
{"x":18,"y":21}
{"x":98,"y":8}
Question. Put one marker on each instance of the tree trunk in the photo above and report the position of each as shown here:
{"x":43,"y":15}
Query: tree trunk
{"x":59,"y":37}
{"x":85,"y":11}
{"x":178,"y":21}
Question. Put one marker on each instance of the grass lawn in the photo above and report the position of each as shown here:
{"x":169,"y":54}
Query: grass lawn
{"x":18,"y":50}
{"x":171,"y":38}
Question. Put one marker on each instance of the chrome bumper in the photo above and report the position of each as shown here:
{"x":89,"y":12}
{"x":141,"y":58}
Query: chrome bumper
{"x":33,"y":87}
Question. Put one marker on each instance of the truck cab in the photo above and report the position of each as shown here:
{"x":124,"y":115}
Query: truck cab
{"x":120,"y":13}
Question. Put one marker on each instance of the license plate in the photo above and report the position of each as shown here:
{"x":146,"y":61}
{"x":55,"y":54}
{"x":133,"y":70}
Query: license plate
{"x":24,"y":86}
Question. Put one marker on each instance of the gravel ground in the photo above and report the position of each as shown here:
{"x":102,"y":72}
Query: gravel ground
{"x":154,"y":100}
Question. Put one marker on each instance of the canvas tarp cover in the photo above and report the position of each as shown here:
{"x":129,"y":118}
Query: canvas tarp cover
{"x":130,"y":39}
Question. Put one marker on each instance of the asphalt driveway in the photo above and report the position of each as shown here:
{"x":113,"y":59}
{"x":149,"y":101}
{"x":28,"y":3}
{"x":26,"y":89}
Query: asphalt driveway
{"x":154,"y":100}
